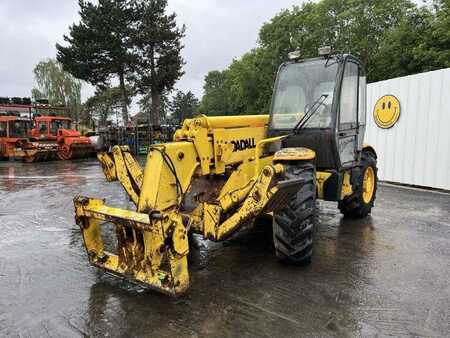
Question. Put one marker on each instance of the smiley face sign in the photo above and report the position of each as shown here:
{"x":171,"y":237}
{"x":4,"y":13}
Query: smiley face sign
{"x":387,"y":111}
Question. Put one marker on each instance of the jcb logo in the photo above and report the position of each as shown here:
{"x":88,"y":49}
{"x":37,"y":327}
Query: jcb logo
{"x":244,"y":144}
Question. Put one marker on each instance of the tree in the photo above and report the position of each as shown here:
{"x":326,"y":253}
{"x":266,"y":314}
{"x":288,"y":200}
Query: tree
{"x":397,"y":54}
{"x":392,"y":38}
{"x":250,"y":80}
{"x":183,"y":106}
{"x":99,"y":46}
{"x":420,"y":43}
{"x":157,"y":42}
{"x":104,"y":104}
{"x":440,"y":32}
{"x":58,"y":86}
{"x":145,"y":108}
{"x":216,"y":97}
{"x":350,"y":26}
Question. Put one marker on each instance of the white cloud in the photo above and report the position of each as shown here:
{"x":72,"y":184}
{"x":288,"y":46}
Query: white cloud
{"x":216,"y":32}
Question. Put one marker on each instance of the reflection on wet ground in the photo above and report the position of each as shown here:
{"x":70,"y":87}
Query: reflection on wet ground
{"x":385,"y":275}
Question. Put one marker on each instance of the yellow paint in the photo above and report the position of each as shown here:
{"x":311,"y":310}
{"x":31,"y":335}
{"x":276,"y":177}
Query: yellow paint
{"x":263,"y":194}
{"x":133,"y":168}
{"x":386,"y":111}
{"x":140,"y":258}
{"x":347,"y":188}
{"x":259,"y":150}
{"x":122,"y":174}
{"x":295,"y":154}
{"x":108,"y":166}
{"x":214,"y":138}
{"x":368,"y":184}
{"x":321,"y":177}
{"x":159,"y":187}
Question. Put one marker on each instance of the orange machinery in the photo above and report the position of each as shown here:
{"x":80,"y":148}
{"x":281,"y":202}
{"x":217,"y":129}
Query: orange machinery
{"x":58,"y":130}
{"x":15,"y":143}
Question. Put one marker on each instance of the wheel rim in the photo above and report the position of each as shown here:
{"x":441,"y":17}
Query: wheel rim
{"x":368,"y":184}
{"x":65,"y":153}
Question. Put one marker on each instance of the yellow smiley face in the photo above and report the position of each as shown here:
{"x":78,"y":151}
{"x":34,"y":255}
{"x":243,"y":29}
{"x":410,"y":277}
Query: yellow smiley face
{"x":387,"y":111}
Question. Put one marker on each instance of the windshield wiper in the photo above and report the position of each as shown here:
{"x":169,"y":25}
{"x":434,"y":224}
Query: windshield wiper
{"x":311,"y":111}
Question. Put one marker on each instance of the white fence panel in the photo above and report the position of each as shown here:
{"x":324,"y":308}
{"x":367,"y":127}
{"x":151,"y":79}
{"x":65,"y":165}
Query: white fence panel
{"x":416,"y":150}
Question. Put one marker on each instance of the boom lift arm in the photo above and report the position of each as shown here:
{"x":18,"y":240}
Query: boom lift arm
{"x":153,"y":241}
{"x":122,"y":166}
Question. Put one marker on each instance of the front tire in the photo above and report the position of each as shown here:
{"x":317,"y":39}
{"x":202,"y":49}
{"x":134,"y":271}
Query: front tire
{"x":360,"y":203}
{"x":293,"y":226}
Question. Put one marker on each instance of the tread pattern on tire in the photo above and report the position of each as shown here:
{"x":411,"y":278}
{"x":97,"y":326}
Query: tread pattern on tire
{"x":353,"y":206}
{"x":293,"y":226}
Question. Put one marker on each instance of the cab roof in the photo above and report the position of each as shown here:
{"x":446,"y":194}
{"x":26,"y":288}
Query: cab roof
{"x":51,"y":118}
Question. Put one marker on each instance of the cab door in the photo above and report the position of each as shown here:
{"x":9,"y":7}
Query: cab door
{"x":348,"y":126}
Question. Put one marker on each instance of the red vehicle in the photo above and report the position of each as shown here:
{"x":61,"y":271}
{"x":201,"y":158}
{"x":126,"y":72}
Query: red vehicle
{"x":57,"y":129}
{"x":15,"y":144}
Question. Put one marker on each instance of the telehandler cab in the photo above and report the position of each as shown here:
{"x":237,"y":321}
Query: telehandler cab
{"x":221,"y":173}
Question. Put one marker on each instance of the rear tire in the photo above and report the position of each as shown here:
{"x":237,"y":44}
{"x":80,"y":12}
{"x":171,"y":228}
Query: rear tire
{"x":357,"y":205}
{"x":293,"y":226}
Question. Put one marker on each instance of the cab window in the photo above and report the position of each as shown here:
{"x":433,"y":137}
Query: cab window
{"x":42,"y":127}
{"x":18,"y":128}
{"x":59,"y":124}
{"x":299,"y":88}
{"x":349,"y":97}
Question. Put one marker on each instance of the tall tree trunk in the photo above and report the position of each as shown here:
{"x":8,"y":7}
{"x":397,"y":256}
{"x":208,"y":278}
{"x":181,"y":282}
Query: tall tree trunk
{"x":156,"y":108}
{"x":123,"y":89}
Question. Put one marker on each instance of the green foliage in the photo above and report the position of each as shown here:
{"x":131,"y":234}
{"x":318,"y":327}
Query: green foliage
{"x":419,"y":43}
{"x":439,"y":44}
{"x":134,"y":41}
{"x":391,"y":37}
{"x":250,"y":81}
{"x":216,"y":98}
{"x":183,"y":106}
{"x":145,"y":108}
{"x":157,"y":42}
{"x":99,"y":46}
{"x":58,"y":86}
{"x":244,"y":88}
{"x":350,"y":26}
{"x":99,"y":108}
{"x":36,"y":94}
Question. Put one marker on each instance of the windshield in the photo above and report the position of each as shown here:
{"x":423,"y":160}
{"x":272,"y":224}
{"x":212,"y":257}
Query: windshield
{"x":18,"y":128}
{"x":299,"y":87}
{"x":59,"y":124}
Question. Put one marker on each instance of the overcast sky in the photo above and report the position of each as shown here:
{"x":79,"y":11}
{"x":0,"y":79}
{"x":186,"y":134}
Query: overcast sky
{"x":216,"y":32}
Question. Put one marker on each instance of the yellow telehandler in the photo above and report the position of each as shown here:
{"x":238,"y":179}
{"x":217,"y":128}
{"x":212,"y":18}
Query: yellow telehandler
{"x":221,"y":173}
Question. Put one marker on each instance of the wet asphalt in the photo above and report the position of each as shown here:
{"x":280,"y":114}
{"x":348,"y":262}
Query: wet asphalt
{"x":386,"y":275}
